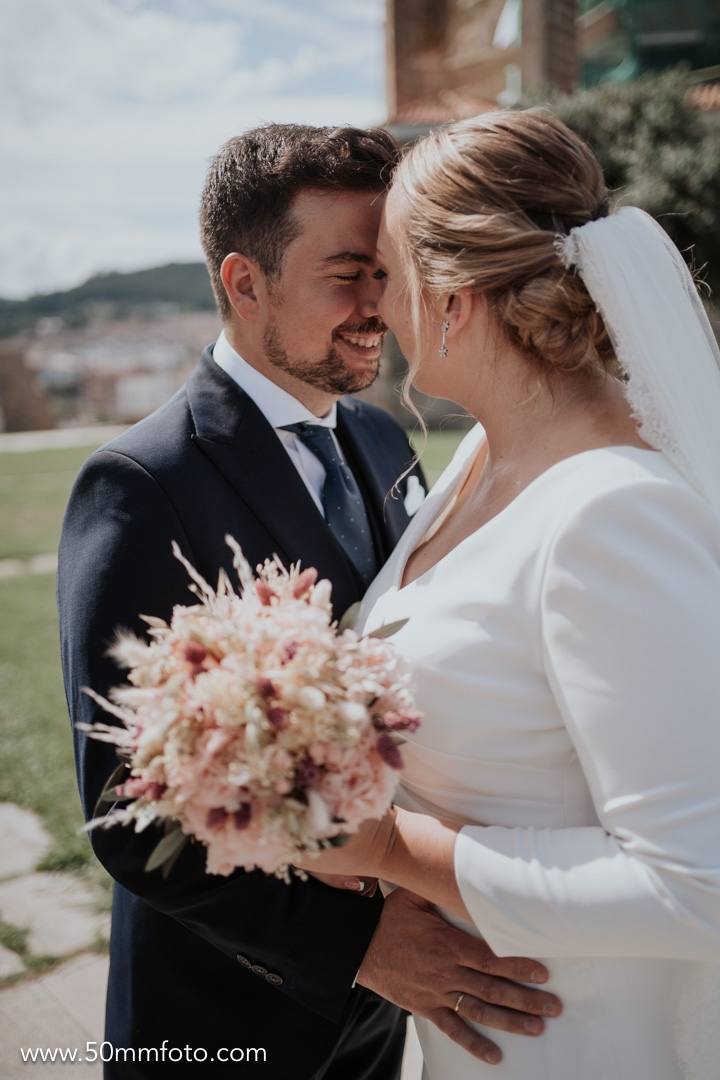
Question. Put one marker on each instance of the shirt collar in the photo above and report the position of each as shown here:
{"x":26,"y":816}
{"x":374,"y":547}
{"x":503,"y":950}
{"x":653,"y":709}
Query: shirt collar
{"x":277,"y":406}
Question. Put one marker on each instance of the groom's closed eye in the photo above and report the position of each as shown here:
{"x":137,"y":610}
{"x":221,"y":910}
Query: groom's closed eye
{"x":379,"y":275}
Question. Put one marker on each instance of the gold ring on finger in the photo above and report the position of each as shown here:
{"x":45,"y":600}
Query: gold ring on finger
{"x":458,"y":1003}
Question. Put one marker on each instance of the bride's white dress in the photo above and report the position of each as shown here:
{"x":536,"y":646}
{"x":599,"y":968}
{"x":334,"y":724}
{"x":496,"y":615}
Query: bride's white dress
{"x":566,"y":656}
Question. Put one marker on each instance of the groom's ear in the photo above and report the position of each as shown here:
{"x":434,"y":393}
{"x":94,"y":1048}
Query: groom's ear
{"x":239,"y":276}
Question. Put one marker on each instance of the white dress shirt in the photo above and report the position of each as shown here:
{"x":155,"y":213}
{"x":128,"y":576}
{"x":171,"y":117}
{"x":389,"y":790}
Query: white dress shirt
{"x":565,"y":656}
{"x":279,"y":409}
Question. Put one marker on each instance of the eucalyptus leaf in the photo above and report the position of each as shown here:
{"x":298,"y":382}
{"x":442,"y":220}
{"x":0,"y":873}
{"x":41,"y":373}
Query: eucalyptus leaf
{"x":350,"y":617}
{"x":109,"y":792}
{"x":110,"y":795}
{"x":169,"y":846}
{"x":389,"y":629}
{"x":170,"y":862}
{"x":338,"y":841}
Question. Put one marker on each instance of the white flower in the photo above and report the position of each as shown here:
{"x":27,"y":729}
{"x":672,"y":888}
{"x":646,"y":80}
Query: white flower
{"x":318,"y":813}
{"x":254,"y":713}
{"x":352,"y":712}
{"x":321,"y":593}
{"x":311,"y":698}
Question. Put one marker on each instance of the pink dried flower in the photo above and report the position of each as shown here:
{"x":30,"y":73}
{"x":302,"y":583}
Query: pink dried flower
{"x":306,"y":773}
{"x":401,"y":719}
{"x":133,"y":788}
{"x":194,"y":653}
{"x":305,"y":582}
{"x":241,"y":817}
{"x":388,"y":751}
{"x":289,"y":652}
{"x":265,"y":594}
{"x":278,"y":717}
{"x":266,"y":689}
{"x":215,"y":817}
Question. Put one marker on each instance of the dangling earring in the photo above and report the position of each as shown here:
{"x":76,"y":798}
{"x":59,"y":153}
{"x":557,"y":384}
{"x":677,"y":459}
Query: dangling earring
{"x":443,"y":350}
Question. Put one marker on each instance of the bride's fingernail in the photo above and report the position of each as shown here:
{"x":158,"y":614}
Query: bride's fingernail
{"x":354,"y":883}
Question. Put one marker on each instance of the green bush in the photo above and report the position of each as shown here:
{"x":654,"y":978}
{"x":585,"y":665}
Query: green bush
{"x":658,"y":152}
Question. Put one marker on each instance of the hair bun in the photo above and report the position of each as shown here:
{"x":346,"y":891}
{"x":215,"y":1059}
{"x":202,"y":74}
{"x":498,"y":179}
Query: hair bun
{"x":553,"y":319}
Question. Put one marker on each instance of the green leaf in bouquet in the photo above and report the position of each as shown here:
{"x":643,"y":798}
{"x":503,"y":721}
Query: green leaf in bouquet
{"x":350,"y":617}
{"x":109,"y":793}
{"x":338,"y":841}
{"x":168,"y":848}
{"x":170,"y":862}
{"x":389,"y":629}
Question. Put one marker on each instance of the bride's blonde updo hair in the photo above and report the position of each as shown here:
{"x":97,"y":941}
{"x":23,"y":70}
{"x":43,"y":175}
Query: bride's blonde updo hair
{"x":487,"y":198}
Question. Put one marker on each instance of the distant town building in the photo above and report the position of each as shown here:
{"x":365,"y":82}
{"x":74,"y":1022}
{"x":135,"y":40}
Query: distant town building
{"x":116,"y":370}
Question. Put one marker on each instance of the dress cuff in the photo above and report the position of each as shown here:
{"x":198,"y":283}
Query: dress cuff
{"x":488,"y":872}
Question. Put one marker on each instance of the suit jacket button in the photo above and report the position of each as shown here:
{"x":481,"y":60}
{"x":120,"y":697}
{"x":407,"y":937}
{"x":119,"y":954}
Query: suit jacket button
{"x":259,"y":969}
{"x":273,"y":979}
{"x":242,"y":960}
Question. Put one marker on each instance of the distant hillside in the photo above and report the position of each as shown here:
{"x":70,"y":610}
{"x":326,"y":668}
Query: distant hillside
{"x":183,"y":286}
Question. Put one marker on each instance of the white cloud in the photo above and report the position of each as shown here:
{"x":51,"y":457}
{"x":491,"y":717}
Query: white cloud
{"x":113,"y":108}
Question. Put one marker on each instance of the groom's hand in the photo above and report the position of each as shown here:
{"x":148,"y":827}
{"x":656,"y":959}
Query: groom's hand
{"x":423,"y":964}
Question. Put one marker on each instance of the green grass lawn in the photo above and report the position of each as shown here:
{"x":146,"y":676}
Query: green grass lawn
{"x":436,"y":453}
{"x":36,"y":759}
{"x":34,"y":489}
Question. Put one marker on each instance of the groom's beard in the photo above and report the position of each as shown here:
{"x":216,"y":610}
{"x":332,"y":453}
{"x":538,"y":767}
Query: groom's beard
{"x":329,"y":374}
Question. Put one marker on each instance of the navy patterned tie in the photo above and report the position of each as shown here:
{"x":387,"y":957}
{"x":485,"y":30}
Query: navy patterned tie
{"x":342,"y":502}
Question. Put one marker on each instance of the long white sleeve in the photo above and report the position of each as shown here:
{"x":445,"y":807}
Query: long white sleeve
{"x":630,"y":618}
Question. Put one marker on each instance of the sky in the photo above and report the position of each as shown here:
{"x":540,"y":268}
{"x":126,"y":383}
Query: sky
{"x":111,"y":110}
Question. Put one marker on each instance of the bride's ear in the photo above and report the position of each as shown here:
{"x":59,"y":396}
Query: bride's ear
{"x":458,"y":309}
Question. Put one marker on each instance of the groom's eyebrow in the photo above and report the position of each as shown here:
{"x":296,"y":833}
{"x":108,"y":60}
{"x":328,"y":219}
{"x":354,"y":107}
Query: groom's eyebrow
{"x":347,"y":256}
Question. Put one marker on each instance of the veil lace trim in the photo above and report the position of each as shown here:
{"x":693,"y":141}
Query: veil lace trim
{"x":661,"y":335}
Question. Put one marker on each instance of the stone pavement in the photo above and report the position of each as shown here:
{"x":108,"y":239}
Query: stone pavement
{"x":52,"y":954}
{"x":46,"y":917}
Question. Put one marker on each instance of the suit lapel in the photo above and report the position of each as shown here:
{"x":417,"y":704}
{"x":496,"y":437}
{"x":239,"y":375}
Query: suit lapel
{"x":234,"y":434}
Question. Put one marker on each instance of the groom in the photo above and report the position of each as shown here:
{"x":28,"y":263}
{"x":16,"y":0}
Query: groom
{"x":259,"y":444}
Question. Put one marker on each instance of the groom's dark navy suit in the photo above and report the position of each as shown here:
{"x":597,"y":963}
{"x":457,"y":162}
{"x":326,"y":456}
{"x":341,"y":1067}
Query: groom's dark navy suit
{"x":199,"y":960}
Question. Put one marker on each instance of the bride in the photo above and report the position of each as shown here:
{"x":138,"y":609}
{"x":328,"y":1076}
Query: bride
{"x":561,"y":587}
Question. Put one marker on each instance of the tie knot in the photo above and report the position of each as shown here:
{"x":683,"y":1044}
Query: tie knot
{"x":318,"y":439}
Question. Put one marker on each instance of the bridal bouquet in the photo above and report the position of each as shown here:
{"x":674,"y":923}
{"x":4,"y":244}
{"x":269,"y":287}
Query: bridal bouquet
{"x":253,"y":724}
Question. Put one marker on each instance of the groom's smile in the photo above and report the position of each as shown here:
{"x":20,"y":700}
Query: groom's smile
{"x":363,"y":343}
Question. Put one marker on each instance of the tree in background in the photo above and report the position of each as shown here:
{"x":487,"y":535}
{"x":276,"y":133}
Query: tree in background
{"x":659,"y":152}
{"x":23,"y":404}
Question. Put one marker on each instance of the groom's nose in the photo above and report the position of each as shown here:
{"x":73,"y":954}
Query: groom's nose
{"x":368,"y":301}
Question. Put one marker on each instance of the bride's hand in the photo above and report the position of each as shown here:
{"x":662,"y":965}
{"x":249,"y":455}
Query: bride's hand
{"x":361,"y":856}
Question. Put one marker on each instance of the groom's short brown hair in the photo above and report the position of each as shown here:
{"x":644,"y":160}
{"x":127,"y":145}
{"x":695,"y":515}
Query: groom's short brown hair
{"x":246,"y":203}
